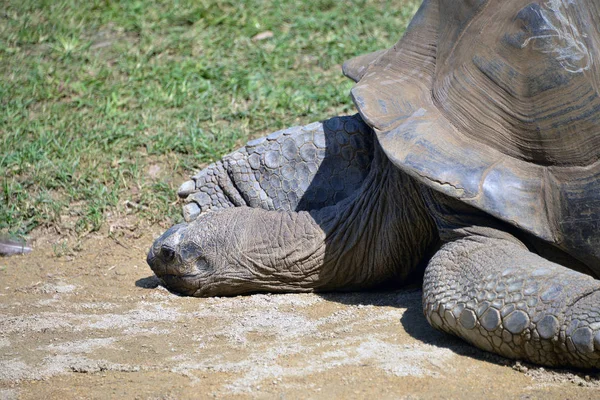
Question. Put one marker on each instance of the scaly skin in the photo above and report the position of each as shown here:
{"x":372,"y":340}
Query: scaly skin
{"x":299,"y":168}
{"x":502,"y":298}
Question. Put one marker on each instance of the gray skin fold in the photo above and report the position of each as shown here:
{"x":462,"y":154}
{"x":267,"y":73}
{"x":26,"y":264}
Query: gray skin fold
{"x":497,"y":288}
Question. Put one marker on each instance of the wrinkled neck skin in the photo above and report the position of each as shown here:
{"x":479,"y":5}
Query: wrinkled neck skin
{"x":380,"y":235}
{"x":376,"y":237}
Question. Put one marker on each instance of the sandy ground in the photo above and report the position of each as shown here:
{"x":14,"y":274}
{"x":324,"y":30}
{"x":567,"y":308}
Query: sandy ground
{"x":94,"y":324}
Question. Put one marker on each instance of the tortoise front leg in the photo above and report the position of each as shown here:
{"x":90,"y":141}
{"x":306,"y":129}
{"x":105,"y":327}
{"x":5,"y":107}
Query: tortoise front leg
{"x":300,"y":168}
{"x":502,"y":298}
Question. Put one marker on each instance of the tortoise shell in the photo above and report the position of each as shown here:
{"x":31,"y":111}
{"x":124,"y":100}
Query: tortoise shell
{"x":496,"y":103}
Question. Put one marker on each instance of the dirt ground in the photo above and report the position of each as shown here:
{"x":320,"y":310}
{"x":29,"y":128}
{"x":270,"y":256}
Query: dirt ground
{"x":94,"y":324}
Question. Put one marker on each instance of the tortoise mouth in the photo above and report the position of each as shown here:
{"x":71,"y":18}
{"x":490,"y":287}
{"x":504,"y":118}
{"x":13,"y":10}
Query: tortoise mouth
{"x":179,"y":284}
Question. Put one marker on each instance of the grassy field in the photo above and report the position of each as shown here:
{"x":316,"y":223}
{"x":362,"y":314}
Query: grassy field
{"x":108,"y":105}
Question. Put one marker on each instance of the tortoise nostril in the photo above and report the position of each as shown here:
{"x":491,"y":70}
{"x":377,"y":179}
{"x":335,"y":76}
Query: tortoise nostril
{"x":167,"y":253}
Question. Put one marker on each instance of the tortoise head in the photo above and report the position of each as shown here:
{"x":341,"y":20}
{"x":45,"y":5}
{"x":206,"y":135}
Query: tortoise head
{"x":191,"y":258}
{"x":176,"y":261}
{"x":230,"y":252}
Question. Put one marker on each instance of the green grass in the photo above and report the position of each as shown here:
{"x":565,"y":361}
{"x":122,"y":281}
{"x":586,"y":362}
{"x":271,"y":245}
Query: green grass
{"x":97,"y":94}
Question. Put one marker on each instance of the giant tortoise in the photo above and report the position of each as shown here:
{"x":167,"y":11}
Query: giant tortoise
{"x":473,"y":164}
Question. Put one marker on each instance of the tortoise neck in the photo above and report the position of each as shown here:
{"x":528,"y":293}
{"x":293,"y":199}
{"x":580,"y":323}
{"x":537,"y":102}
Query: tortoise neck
{"x":380,"y":235}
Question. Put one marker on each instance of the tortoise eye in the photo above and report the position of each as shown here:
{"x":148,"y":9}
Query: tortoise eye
{"x":167,"y":254}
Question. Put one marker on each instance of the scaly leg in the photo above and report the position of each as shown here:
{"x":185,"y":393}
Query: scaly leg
{"x":502,"y":298}
{"x":299,"y":168}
